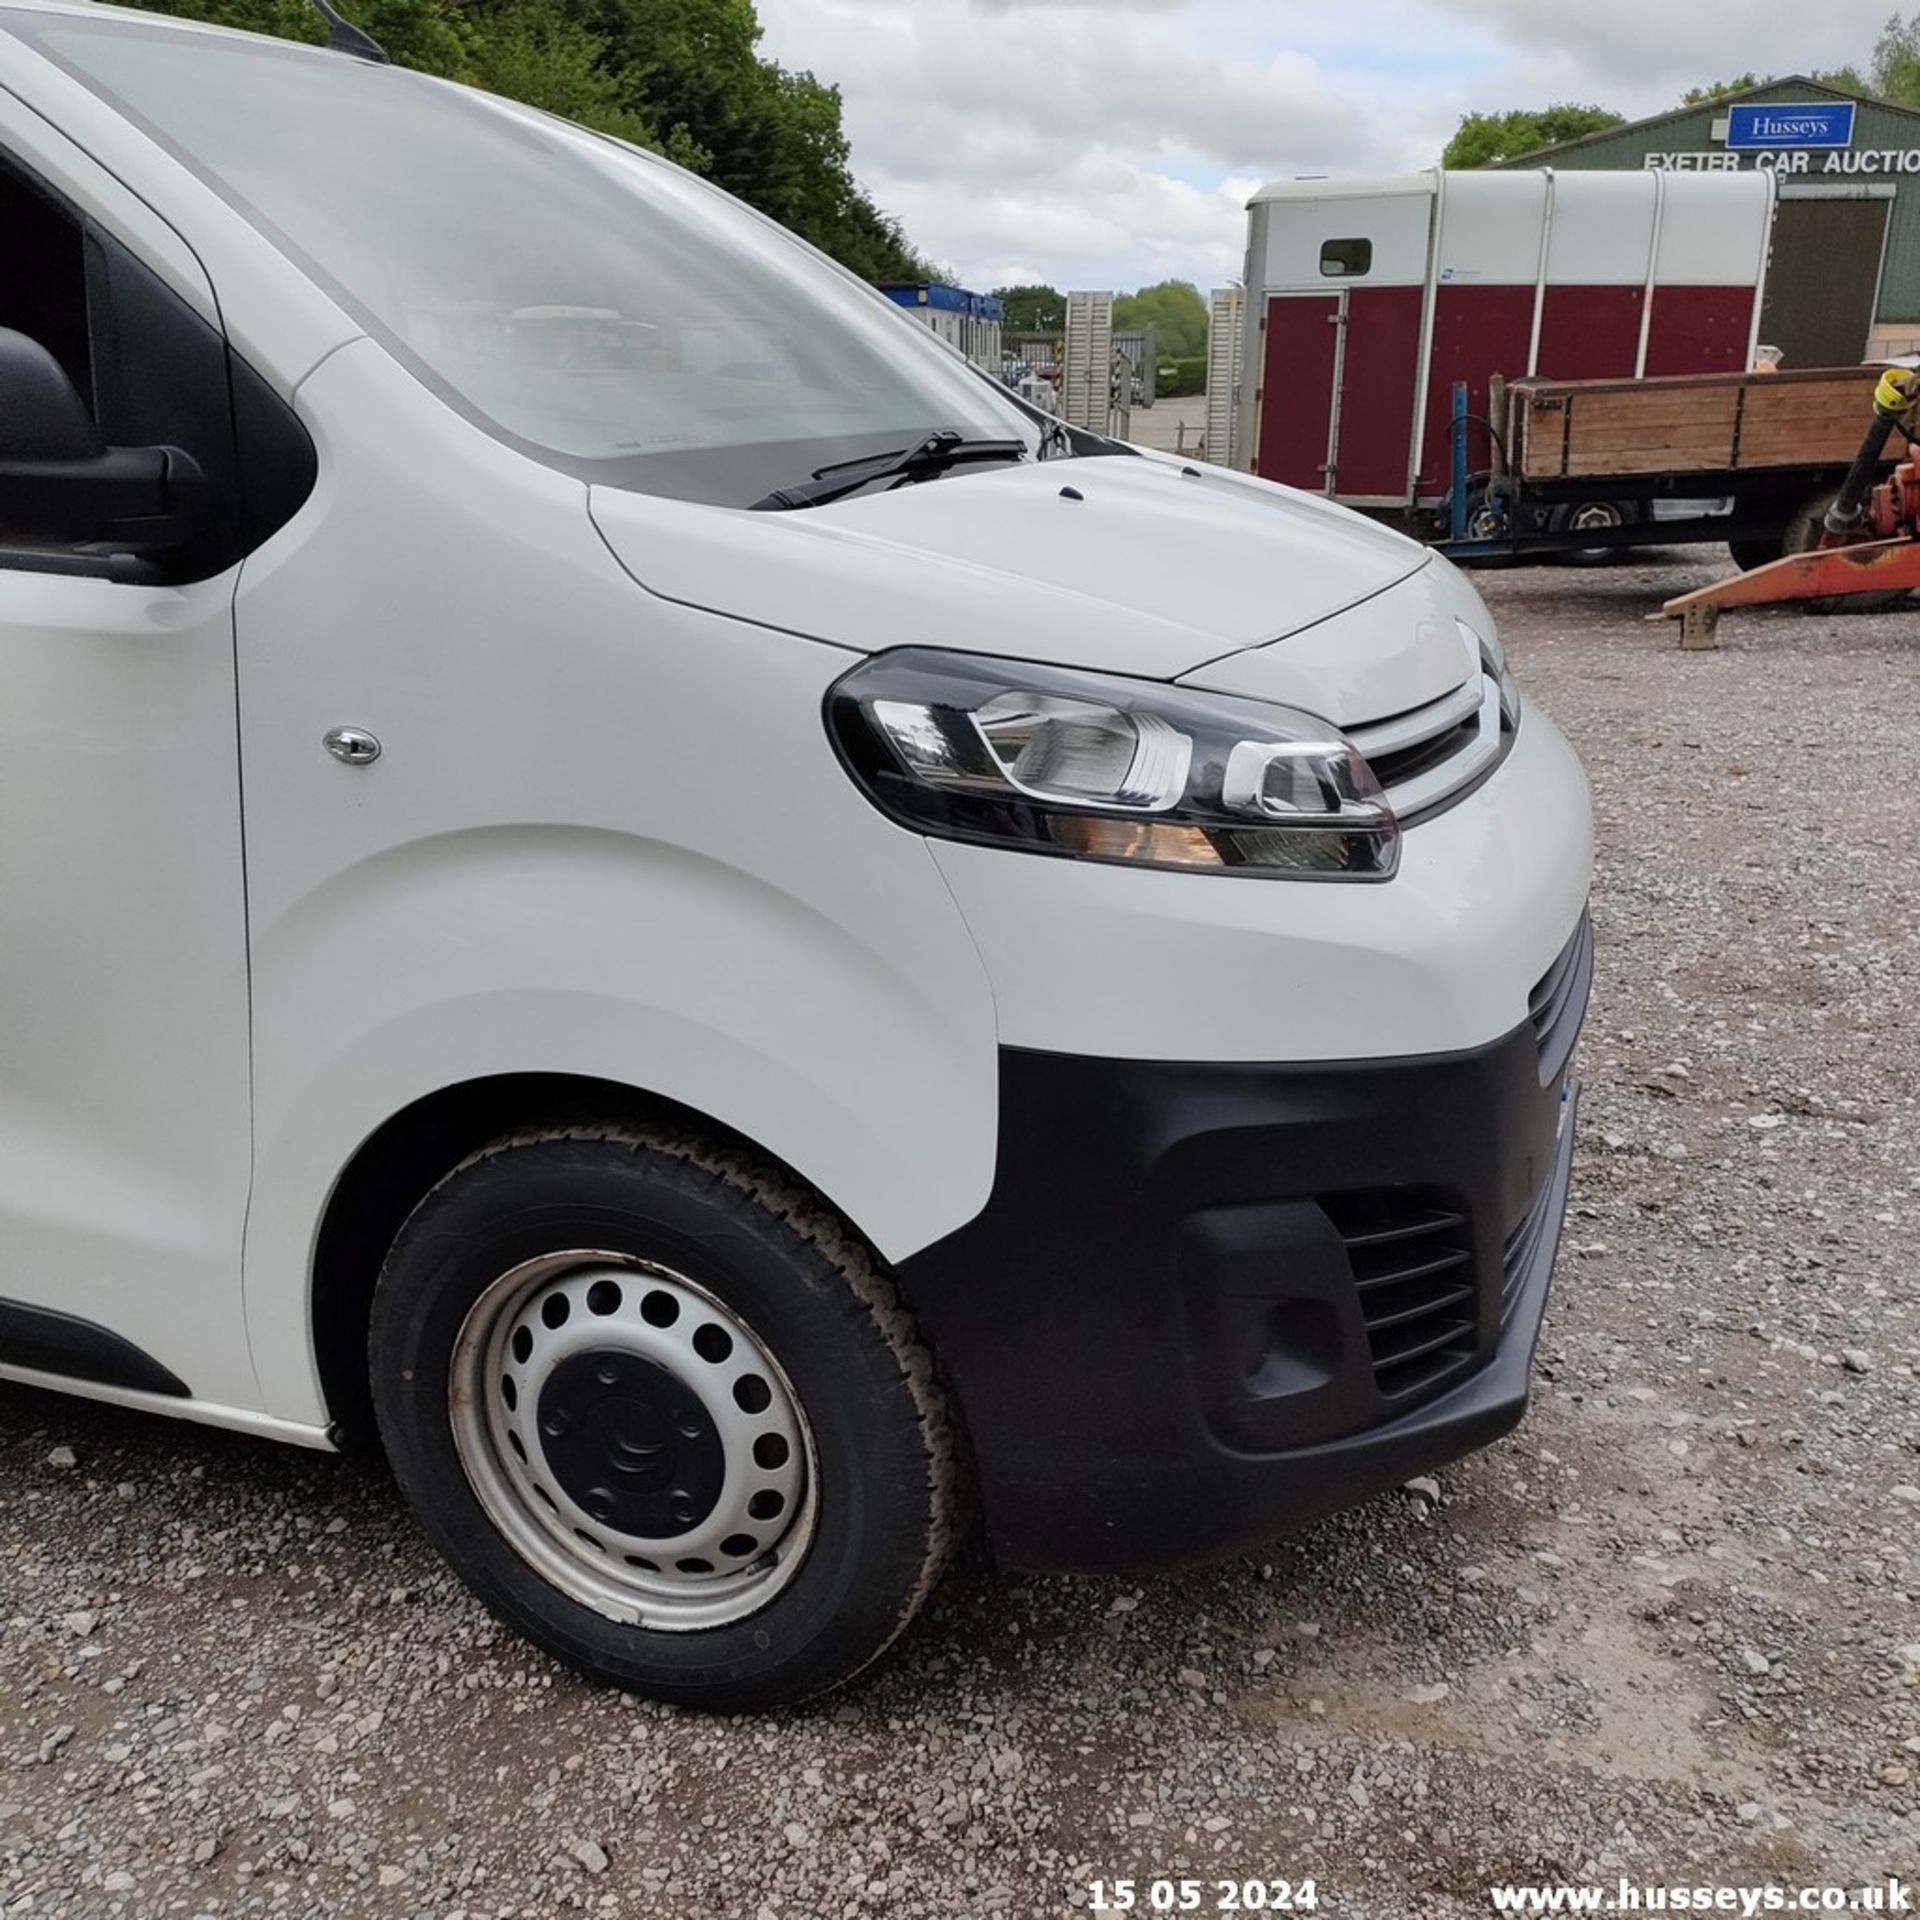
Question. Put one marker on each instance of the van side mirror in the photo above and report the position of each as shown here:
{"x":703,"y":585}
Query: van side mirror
{"x":60,"y":481}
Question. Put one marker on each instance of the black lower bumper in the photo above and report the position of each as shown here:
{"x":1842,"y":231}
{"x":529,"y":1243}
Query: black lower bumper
{"x":1207,"y":1303}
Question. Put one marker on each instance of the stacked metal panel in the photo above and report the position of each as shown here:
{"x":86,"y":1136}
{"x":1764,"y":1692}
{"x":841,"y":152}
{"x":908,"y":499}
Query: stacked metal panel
{"x":1086,"y":385}
{"x":1226,"y":354}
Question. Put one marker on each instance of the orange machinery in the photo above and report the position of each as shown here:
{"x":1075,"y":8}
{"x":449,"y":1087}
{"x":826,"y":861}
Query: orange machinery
{"x":1869,"y":544}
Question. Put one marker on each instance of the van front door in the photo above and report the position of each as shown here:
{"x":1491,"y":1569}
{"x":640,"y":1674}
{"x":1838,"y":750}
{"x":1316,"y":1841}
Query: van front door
{"x":124,"y":1124}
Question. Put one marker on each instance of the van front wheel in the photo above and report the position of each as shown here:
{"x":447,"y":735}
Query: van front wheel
{"x":662,"y":1413}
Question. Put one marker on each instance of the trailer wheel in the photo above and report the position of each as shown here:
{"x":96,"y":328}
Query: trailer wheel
{"x":1577,"y":516}
{"x":1490,"y":516}
{"x":1487,"y":519}
{"x":1803,"y":535}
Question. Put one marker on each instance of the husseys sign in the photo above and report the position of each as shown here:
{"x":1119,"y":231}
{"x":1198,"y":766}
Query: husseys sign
{"x":1789,"y":137}
{"x":1816,"y":124}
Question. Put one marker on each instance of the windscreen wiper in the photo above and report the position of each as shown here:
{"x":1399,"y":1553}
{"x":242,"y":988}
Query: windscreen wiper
{"x":934,"y":454}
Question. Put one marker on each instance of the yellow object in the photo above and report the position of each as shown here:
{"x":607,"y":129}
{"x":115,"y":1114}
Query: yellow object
{"x":1896,"y":394}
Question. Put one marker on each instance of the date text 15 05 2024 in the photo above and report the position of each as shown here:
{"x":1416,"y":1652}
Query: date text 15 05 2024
{"x":1202,"y":1896}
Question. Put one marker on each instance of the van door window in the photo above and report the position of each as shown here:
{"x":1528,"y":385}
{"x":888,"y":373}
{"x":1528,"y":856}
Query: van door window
{"x":152,"y":374}
{"x":43,"y":292}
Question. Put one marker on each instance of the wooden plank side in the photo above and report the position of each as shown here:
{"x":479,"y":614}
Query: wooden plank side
{"x":1615,"y":429}
{"x":1655,"y":407}
{"x":1613,"y":436}
{"x":1809,"y":403}
{"x":1708,"y":457}
{"x":1693,"y":382}
{"x":1566,"y":434}
{"x":1807,"y":423}
{"x":1537,"y":435}
{"x":1651,"y":431}
{"x":1793,"y":447}
{"x":1705,"y":423}
{"x":1845,"y":410}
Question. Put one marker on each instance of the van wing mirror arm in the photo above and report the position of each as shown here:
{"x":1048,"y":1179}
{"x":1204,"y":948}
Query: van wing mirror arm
{"x":148,"y":499}
{"x":61,"y":482}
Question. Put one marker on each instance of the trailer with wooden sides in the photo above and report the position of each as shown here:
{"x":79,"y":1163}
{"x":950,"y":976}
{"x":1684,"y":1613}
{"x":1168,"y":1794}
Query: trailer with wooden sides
{"x":1749,"y":458}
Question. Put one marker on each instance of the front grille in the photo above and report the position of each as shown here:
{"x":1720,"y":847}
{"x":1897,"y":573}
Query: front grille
{"x":1559,"y":1003}
{"x":1412,"y":1263}
{"x":1435,"y":755}
{"x":1404,"y":764}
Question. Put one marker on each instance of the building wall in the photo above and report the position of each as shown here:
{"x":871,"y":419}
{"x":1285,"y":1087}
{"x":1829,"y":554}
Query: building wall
{"x":1890,"y":134}
{"x":970,"y":321}
{"x":1891,"y":338}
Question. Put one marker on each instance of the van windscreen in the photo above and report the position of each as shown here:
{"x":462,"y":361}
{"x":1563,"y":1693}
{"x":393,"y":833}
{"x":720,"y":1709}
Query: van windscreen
{"x":591,"y":303}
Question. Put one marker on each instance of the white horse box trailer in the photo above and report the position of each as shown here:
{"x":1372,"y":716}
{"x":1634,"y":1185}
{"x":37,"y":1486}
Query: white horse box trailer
{"x":1369,"y":301}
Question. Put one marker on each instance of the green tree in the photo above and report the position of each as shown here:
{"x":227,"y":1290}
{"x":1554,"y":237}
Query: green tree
{"x":692,"y":69}
{"x":1894,"y":72}
{"x":541,"y":52}
{"x":1482,"y":139}
{"x":1719,"y":89}
{"x":1842,"y":79}
{"x":433,"y":35}
{"x":1033,"y":308}
{"x":1175,"y":309}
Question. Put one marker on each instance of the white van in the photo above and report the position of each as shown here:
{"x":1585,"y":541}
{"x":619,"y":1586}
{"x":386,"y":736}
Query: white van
{"x":615,"y":869}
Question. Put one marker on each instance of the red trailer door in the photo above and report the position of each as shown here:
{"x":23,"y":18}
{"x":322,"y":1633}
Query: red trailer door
{"x":1379,"y":377}
{"x":1299,"y":380}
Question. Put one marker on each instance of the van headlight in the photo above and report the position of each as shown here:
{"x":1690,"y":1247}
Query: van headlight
{"x":1090,"y":766}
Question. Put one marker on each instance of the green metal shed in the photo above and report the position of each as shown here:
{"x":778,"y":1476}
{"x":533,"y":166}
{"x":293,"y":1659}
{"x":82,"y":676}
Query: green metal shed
{"x":1844,"y":283}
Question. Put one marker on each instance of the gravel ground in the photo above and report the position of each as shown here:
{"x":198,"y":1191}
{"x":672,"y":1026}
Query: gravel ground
{"x":1667,"y":1631}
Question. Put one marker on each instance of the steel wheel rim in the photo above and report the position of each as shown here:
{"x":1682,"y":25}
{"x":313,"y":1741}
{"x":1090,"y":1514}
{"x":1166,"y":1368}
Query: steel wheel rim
{"x":633,"y":1440}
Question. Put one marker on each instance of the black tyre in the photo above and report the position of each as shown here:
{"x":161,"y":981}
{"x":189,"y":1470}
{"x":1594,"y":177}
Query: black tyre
{"x":1578,"y":516}
{"x":1748,"y":554}
{"x":1803,"y":535}
{"x":1490,"y":518}
{"x":661,"y":1412}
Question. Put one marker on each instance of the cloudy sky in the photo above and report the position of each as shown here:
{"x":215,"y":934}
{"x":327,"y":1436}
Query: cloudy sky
{"x":1109,"y":143}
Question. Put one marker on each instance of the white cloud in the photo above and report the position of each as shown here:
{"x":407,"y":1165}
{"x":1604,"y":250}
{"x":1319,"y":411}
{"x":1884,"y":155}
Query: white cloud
{"x":1664,"y":46}
{"x":1113,"y":142}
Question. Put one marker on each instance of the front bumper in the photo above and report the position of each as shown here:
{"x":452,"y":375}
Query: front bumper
{"x":1209,"y":1302}
{"x":1087,"y":958}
